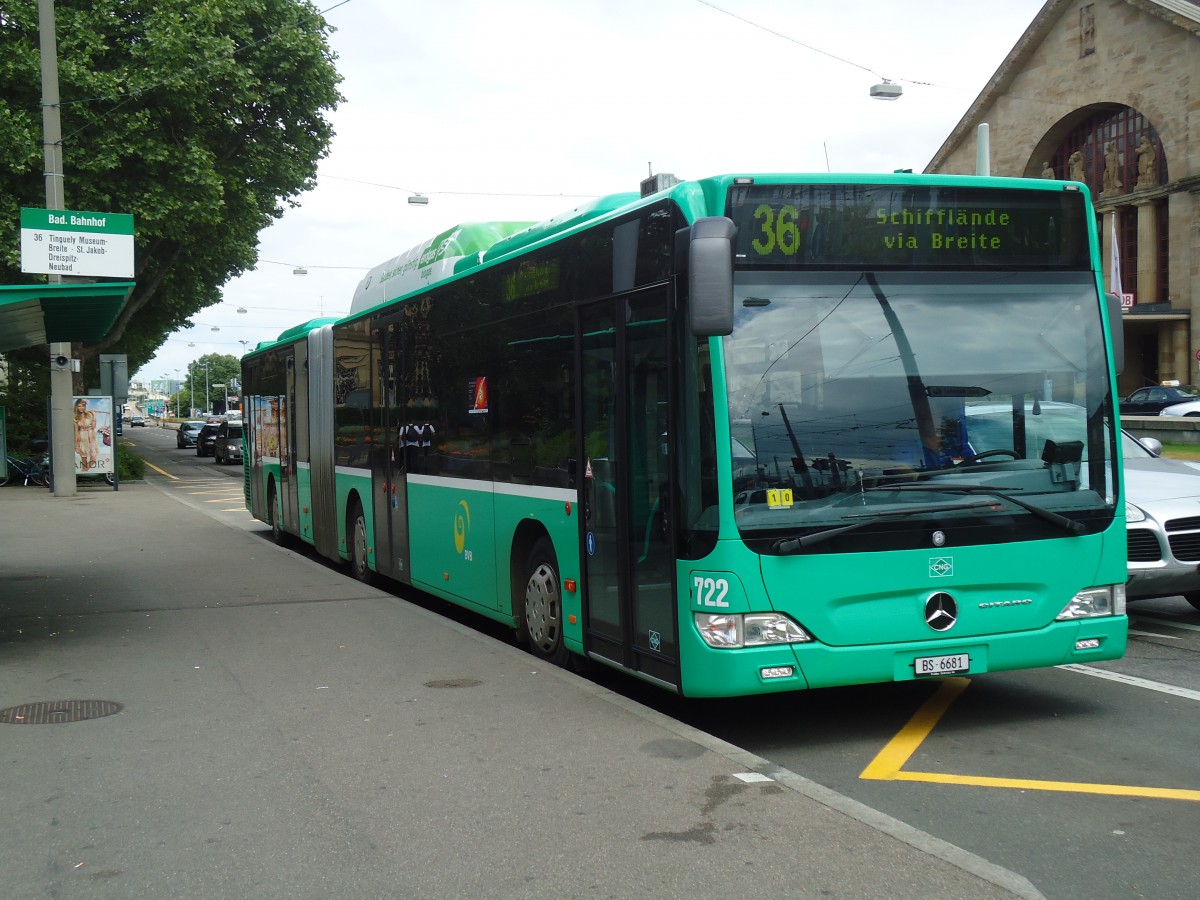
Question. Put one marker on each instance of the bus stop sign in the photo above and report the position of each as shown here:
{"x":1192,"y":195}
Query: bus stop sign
{"x":66,"y":242}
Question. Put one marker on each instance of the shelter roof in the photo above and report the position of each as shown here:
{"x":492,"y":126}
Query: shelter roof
{"x":32,"y":314}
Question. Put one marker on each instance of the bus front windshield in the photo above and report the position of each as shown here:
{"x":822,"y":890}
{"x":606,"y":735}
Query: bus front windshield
{"x":862,"y":404}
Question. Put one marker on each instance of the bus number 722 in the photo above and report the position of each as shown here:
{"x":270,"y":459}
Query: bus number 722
{"x":711,"y":591}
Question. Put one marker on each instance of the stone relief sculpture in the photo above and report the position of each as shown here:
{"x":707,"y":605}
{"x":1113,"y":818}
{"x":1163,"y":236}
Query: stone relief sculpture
{"x":1112,"y":173}
{"x":1087,"y":31}
{"x":1075,"y":165}
{"x":1147,"y":162}
{"x":1047,"y":172}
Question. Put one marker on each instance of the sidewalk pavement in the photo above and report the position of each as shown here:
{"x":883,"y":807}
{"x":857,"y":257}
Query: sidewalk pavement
{"x":287,"y":732}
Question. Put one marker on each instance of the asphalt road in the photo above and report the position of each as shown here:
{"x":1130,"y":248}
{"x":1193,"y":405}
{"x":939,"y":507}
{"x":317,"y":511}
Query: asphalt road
{"x":276,"y":729}
{"x":1084,"y":780}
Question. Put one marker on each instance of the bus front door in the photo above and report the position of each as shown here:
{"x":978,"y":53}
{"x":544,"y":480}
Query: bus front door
{"x":628,"y":565}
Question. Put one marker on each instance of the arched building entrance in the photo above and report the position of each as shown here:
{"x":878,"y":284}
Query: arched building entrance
{"x":1117,"y":152}
{"x":1081,"y":97}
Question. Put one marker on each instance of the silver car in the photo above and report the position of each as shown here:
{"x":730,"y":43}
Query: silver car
{"x":1162,"y":496}
{"x":1189,"y":409}
{"x":1162,"y":508}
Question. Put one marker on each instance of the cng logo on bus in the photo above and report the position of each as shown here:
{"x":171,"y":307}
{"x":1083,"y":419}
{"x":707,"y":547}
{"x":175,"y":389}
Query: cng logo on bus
{"x":462,"y":527}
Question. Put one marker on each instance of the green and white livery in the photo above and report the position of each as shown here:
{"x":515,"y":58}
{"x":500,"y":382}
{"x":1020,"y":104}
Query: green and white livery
{"x":747,"y":434}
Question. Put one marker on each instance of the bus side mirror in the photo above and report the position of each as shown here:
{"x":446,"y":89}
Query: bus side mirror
{"x":710,"y":276}
{"x":1117,"y":328}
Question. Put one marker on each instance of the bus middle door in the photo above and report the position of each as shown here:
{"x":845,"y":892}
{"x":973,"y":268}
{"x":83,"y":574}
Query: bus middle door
{"x":390,"y":463}
{"x":628,"y":563}
{"x":289,"y":499}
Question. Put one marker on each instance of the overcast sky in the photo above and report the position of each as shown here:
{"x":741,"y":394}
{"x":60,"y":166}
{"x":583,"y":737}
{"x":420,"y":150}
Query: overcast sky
{"x":518,"y":111}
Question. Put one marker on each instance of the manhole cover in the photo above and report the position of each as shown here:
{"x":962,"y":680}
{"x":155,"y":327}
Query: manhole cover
{"x":453,"y":682}
{"x":52,"y":712}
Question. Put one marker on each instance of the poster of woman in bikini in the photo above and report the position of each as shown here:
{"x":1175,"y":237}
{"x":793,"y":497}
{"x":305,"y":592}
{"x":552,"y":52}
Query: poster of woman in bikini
{"x":94,"y":452}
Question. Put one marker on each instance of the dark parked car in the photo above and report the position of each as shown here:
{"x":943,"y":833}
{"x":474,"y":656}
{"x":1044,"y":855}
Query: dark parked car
{"x":227,"y":446}
{"x":1149,"y":401}
{"x":206,"y":437}
{"x":186,"y":435}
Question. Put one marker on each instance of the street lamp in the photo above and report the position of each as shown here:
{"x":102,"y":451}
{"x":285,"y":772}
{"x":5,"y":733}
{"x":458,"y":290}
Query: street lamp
{"x":886,"y":90}
{"x":205,"y":363}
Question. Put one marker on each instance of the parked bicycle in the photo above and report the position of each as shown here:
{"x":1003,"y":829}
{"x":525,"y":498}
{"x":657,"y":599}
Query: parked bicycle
{"x":24,"y":471}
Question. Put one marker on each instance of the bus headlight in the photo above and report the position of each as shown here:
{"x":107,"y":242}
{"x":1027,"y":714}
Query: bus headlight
{"x":1098,"y":601}
{"x":1133,"y":514}
{"x":749,"y":630}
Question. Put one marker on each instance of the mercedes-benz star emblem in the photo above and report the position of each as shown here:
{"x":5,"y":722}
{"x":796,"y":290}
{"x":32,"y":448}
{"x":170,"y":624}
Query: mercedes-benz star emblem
{"x":939,"y":539}
{"x":941,"y":611}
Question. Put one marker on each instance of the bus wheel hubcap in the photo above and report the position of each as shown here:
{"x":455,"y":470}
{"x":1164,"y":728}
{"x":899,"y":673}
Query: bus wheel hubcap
{"x":360,"y":544}
{"x":541,"y":607}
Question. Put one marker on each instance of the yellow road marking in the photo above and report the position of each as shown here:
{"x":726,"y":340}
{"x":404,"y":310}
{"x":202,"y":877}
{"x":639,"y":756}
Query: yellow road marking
{"x":887,"y":764}
{"x":161,"y":472}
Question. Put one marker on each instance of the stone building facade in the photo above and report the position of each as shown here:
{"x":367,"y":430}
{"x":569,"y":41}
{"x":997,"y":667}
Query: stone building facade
{"x":1108,"y":92}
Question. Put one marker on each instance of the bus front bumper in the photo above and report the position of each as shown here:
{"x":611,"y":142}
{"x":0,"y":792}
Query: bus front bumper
{"x":710,"y":672}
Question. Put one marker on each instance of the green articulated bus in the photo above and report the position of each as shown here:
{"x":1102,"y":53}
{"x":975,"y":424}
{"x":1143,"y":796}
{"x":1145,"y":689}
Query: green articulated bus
{"x":740,"y":435}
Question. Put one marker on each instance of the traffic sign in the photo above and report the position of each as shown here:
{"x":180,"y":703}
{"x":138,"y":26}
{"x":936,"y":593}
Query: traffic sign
{"x":66,"y":242}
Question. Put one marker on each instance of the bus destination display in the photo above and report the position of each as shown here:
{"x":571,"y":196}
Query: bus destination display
{"x":878,"y":226}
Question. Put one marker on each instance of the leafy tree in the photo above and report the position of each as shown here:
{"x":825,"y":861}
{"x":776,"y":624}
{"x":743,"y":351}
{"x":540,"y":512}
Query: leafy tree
{"x":205,"y":119}
{"x":210,"y":369}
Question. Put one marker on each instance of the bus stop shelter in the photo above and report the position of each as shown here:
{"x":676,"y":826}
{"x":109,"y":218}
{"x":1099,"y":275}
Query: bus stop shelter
{"x":58,"y":314}
{"x":32,"y":314}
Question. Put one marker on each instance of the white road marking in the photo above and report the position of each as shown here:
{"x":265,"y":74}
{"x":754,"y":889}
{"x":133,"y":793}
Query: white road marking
{"x":1169,"y":637}
{"x":1171,"y":689}
{"x":1187,"y":626}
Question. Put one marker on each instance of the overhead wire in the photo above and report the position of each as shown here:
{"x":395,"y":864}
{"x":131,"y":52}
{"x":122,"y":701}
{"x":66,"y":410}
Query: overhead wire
{"x":797,"y":41}
{"x":394,"y":187}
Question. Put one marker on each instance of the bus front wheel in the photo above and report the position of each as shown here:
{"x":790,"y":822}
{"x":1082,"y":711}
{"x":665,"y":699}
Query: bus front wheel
{"x":542,"y":610}
{"x":358,"y":545}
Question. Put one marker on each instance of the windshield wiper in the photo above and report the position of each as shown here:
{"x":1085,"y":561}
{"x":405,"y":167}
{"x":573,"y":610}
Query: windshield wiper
{"x":791,"y":545}
{"x":1046,"y":515}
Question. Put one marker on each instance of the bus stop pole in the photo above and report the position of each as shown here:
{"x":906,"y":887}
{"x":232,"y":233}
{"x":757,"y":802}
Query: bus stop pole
{"x":62,"y":425}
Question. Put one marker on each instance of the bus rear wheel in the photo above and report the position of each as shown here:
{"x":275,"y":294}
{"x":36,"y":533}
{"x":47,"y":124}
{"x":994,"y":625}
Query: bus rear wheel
{"x":277,"y":534}
{"x":358,"y":545}
{"x":542,"y":609}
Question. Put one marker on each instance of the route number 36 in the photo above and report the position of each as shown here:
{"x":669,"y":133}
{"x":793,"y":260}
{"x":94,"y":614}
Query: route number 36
{"x":777,"y":229}
{"x":710,"y":591}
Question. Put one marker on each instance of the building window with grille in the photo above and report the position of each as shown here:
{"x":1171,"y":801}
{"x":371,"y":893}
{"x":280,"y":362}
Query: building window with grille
{"x":1117,"y":153}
